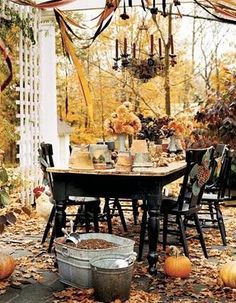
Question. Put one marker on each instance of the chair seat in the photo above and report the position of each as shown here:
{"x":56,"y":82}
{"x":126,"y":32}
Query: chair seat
{"x":211,"y":188}
{"x":207,"y":197}
{"x":171,"y":207}
{"x":82,"y":199}
{"x":211,"y":197}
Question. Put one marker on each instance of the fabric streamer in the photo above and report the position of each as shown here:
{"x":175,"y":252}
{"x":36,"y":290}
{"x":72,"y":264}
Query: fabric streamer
{"x":7,"y":59}
{"x":71,"y":53}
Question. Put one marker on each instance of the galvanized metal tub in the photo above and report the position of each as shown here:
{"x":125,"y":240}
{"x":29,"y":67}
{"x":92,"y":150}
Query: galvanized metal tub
{"x":74,"y":263}
{"x":111,"y":279}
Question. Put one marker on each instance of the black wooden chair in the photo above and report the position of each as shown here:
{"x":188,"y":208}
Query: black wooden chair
{"x":88,"y":208}
{"x":188,"y":203}
{"x":214,"y":195}
{"x":181,"y":208}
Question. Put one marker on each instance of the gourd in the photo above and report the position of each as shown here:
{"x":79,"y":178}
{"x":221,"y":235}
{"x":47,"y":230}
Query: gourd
{"x":227,"y":274}
{"x":7,"y":266}
{"x":176,"y":265}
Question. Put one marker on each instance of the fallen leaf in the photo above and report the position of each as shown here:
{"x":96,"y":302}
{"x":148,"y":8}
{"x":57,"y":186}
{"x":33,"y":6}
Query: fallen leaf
{"x":3,"y":219}
{"x":11,"y":218}
{"x":17,"y":210}
{"x":26,"y":210}
{"x":1,"y":228}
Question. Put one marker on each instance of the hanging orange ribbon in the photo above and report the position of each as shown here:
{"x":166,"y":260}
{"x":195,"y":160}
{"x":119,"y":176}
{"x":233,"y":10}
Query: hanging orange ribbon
{"x":71,"y":53}
{"x":45,"y":4}
{"x":7,"y":59}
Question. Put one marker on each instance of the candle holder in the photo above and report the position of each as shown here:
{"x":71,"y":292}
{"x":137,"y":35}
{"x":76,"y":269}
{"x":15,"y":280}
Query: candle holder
{"x":173,"y":61}
{"x":115,"y":66}
{"x":160,"y":66}
{"x":125,"y":62}
{"x":154,"y":9}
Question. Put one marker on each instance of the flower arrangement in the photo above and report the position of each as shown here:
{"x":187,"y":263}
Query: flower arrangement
{"x":154,"y":129}
{"x":176,"y":128}
{"x":123,"y":121}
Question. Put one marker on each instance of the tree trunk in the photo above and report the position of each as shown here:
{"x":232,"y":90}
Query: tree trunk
{"x":167,"y":66}
{"x":193,"y":39}
{"x":186,"y":91}
{"x":167,"y":80}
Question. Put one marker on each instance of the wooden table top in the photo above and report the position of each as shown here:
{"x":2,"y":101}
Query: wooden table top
{"x":150,"y":171}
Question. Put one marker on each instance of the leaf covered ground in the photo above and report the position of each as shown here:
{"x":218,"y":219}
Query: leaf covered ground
{"x":22,"y":237}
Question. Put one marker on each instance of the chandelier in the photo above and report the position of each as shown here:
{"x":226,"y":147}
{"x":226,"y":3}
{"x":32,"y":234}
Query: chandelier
{"x":144,"y":61}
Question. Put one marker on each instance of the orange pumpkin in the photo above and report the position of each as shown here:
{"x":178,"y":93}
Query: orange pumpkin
{"x":176,"y":265}
{"x":227,"y":274}
{"x":7,"y":266}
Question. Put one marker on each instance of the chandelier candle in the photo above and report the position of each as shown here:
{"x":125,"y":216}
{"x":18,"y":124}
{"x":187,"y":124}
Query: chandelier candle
{"x":117,"y":51}
{"x":134,"y":50}
{"x":125,"y":46}
{"x":152,"y":45}
{"x":171,"y":45}
{"x":159,"y":44}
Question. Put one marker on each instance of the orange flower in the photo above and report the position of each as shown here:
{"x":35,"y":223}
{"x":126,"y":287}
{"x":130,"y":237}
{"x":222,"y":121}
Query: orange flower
{"x":123,"y":121}
{"x":122,"y":110}
{"x":177,"y":127}
{"x":128,"y":129}
{"x":119,"y":127}
{"x":136,"y":124}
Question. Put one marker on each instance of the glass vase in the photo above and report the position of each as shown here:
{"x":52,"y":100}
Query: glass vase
{"x":172,"y":145}
{"x":121,"y":139}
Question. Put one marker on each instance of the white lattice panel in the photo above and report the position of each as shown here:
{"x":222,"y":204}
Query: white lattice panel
{"x":28,"y":104}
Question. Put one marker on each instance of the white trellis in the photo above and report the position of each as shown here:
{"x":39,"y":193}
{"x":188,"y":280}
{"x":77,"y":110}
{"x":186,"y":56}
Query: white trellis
{"x":28,"y":104}
{"x":37,"y":106}
{"x":29,"y":107}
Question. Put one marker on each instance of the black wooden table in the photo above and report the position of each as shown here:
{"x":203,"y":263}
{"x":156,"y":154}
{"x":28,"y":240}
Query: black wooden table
{"x":146,"y":185}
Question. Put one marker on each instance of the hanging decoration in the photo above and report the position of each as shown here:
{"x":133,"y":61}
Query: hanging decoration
{"x":112,"y":5}
{"x":143,"y":61}
{"x":110,"y":8}
{"x":43,"y":4}
{"x":71,"y":53}
{"x":9,"y":20}
{"x":223,"y":10}
{"x":7,"y":59}
{"x":124,"y":16}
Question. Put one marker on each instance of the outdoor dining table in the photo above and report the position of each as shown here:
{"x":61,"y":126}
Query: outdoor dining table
{"x":146,"y":184}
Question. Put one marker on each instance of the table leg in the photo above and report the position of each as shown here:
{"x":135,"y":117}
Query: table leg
{"x":60,"y":218}
{"x":153,"y":203}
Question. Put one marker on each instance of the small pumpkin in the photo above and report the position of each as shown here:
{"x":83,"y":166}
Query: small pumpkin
{"x":7,"y":266}
{"x":176,"y":265}
{"x":227,"y":273}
